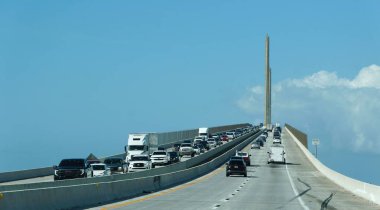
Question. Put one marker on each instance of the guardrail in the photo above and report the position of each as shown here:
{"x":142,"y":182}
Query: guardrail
{"x":82,"y":195}
{"x":362,"y":189}
{"x":173,"y":137}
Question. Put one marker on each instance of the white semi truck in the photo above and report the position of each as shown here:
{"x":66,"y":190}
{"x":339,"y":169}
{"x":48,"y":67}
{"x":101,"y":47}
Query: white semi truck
{"x":204,"y":132}
{"x":138,"y":144}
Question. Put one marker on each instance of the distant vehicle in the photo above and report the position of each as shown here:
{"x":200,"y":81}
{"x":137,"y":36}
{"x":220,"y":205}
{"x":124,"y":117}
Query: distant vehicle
{"x":176,"y":147}
{"x":230,"y":135}
{"x":260,"y":142}
{"x":276,"y":135}
{"x":204,"y":132}
{"x":262,"y":138}
{"x":159,"y":158}
{"x":197,"y":149}
{"x":186,"y":149}
{"x":198,"y":140}
{"x":174,"y":157}
{"x":276,"y":141}
{"x":245,"y":156}
{"x":255,"y":145}
{"x":70,"y":169}
{"x":224,"y":138}
{"x":90,"y":162}
{"x":265,"y":133}
{"x":211,"y":142}
{"x":201,"y":148}
{"x":99,"y":169}
{"x":116,"y":165}
{"x":139,"y":163}
{"x":276,"y":154}
{"x":236,"y":166}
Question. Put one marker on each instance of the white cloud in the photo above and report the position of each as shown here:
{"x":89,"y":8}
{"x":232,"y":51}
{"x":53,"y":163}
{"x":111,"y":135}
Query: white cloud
{"x":342,"y":112}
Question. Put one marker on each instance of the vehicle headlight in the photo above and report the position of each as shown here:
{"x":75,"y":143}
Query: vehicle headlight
{"x":55,"y":172}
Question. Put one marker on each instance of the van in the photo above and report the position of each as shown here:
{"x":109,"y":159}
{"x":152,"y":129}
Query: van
{"x":276,"y":154}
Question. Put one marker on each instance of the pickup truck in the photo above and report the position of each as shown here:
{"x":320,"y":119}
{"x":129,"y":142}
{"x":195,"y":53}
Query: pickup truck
{"x":70,"y":169}
{"x":159,"y":158}
{"x":186,"y":149}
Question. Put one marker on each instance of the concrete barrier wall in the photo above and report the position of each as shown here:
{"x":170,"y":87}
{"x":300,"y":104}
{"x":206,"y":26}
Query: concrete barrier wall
{"x":79,"y":196}
{"x":301,"y":136}
{"x":362,"y":189}
{"x":156,"y":171}
{"x":171,"y":137}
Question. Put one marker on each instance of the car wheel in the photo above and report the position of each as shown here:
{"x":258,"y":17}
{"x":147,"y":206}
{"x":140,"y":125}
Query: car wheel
{"x":153,"y":166}
{"x":227,"y":175}
{"x":92,"y":174}
{"x":192,"y":155}
{"x":245,"y":175}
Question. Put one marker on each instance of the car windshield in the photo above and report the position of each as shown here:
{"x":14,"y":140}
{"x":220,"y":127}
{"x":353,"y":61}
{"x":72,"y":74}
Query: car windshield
{"x":159,"y":153}
{"x":135,"y":147}
{"x":72,"y":163}
{"x":139,"y":158}
{"x":236,"y":162}
{"x":242,"y":154}
{"x":99,"y":167}
{"x":112,"y":161}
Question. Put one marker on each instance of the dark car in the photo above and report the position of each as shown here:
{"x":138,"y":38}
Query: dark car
{"x":260,"y":142}
{"x":70,"y":169}
{"x":277,"y":135}
{"x":176,"y":147}
{"x":116,"y":165}
{"x":174,"y":157}
{"x":236,"y":166}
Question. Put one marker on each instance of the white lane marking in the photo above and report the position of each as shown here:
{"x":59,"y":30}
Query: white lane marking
{"x":296,"y":193}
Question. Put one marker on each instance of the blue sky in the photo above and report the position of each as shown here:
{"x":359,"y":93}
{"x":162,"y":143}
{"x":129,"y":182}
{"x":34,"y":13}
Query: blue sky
{"x":78,"y":76}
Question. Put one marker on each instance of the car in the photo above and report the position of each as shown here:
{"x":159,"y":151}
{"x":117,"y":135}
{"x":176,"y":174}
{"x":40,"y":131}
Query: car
{"x":224,"y":138}
{"x":255,"y":145}
{"x":116,"y":165}
{"x":236,"y":166}
{"x":276,"y":135}
{"x":174,"y":157}
{"x":99,"y":169}
{"x":197,"y":149}
{"x":246,"y":157}
{"x":139,"y":163}
{"x":70,"y":169}
{"x":211,"y":142}
{"x":176,"y":147}
{"x":230,"y":135}
{"x":159,"y":158}
{"x":276,"y":141}
{"x":265,"y":133}
{"x":262,"y":138}
{"x":260,"y":142}
{"x":201,"y":148}
{"x":186,"y":149}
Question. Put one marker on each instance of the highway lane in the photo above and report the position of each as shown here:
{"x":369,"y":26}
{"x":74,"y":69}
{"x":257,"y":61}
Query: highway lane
{"x":295,"y":185}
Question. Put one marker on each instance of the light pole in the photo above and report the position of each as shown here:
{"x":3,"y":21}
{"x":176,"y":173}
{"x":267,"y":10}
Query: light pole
{"x":316,"y":143}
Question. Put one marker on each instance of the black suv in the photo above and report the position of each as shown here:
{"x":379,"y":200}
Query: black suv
{"x":70,"y":169}
{"x":236,"y":166}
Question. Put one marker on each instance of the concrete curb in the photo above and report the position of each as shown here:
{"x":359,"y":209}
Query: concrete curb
{"x":367,"y":191}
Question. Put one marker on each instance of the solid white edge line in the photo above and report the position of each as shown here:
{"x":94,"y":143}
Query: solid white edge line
{"x":296,"y":193}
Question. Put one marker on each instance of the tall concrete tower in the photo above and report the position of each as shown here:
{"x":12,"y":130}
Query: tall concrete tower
{"x":268,"y":87}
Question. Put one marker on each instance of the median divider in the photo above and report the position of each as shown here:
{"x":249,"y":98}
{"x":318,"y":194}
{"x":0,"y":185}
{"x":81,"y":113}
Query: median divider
{"x":120,"y":186}
{"x":362,"y":189}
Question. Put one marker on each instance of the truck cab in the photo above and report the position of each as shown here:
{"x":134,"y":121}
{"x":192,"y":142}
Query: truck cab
{"x":138,"y":144}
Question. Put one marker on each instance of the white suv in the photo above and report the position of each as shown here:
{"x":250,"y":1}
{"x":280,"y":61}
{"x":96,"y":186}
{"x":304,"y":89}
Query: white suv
{"x":160,"y":158}
{"x":139,"y":163}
